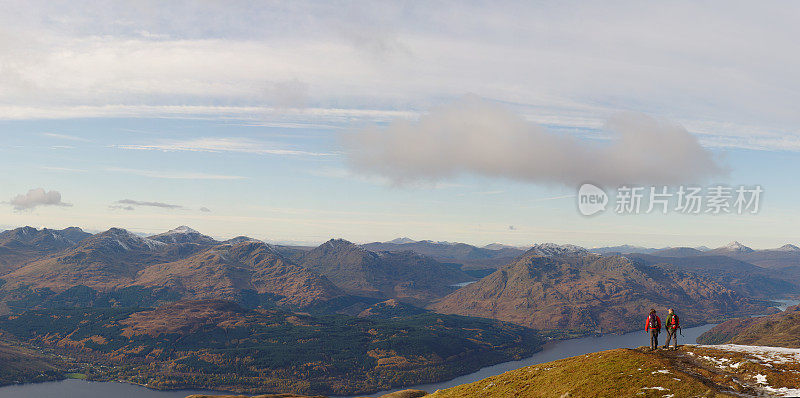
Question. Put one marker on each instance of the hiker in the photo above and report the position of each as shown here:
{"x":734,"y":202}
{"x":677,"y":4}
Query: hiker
{"x":653,"y":325}
{"x":671,"y":326}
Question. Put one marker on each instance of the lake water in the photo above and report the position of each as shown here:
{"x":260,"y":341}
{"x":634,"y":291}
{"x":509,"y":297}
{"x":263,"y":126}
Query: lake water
{"x":563,"y":349}
{"x":551,"y":352}
{"x":787,"y":303}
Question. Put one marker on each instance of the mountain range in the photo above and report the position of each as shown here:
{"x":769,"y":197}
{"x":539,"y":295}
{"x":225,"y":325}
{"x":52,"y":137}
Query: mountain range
{"x":117,"y":266}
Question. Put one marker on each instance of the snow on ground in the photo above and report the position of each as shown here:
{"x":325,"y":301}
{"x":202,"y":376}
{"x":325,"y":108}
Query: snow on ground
{"x":777,"y":355}
{"x":765,"y":356}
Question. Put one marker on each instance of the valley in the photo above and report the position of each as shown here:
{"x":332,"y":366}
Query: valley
{"x":183,"y":310}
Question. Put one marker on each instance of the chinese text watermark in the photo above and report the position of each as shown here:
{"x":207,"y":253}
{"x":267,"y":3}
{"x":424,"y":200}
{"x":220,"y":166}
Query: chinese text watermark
{"x":717,"y":199}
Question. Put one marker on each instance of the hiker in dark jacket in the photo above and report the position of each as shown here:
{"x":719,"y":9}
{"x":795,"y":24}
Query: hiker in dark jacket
{"x":671,"y":326}
{"x":653,"y":325}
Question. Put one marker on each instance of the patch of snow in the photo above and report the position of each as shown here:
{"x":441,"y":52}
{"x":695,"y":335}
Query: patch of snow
{"x":552,"y":249}
{"x":761,"y":379}
{"x":181,"y":230}
{"x":655,"y":388}
{"x":665,"y":371}
{"x":778,"y":355}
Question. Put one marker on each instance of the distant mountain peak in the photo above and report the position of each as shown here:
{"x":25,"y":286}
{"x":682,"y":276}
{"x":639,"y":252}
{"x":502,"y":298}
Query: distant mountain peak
{"x":339,"y":244}
{"x":553,"y":249}
{"x":400,"y":241}
{"x":182,"y":230}
{"x":735,"y":246}
{"x":127,"y":240}
{"x":184,"y":234}
{"x":789,"y":248}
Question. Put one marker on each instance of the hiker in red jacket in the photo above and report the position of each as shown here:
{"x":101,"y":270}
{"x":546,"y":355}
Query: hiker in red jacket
{"x":653,"y":325}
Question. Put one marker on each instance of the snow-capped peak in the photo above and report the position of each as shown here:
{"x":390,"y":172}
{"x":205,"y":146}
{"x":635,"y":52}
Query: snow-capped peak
{"x":736,"y":247}
{"x":182,"y":230}
{"x":789,"y":248}
{"x":127,"y":240}
{"x":401,"y":241}
{"x":553,"y":249}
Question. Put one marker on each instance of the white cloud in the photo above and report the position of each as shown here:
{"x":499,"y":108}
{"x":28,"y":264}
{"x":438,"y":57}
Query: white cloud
{"x":37,"y":197}
{"x":473,"y":136}
{"x":175,"y":175}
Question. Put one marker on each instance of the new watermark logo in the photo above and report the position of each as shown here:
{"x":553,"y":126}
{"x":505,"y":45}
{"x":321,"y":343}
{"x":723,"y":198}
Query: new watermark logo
{"x":591,"y":199}
{"x":718,"y":199}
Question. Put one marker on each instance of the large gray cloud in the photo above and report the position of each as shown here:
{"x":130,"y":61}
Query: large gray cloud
{"x":473,"y":136}
{"x":37,"y":197}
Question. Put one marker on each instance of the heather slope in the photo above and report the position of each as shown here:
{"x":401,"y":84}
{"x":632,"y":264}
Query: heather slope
{"x":692,"y":371}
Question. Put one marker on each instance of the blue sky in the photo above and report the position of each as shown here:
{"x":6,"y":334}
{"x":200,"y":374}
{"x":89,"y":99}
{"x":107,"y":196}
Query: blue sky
{"x":301,"y":121}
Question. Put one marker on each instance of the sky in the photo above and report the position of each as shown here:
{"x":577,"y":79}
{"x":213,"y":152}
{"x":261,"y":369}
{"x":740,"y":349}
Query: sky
{"x":451,"y":121}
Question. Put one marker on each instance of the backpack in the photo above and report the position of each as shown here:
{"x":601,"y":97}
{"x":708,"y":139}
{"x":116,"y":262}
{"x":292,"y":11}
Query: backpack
{"x":653,"y":322}
{"x":675,"y":322}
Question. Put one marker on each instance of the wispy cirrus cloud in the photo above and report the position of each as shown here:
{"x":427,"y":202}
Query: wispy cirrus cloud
{"x":65,"y":137}
{"x":62,"y":169}
{"x":130,"y":204}
{"x":175,"y":175}
{"x":216,"y":145}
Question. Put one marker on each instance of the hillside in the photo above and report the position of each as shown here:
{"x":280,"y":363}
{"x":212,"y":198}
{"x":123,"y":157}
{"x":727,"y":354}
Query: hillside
{"x":405,"y":276}
{"x":776,"y":330}
{"x":216,"y":344}
{"x":692,"y":371}
{"x":23,"y":365}
{"x":587,"y":292}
